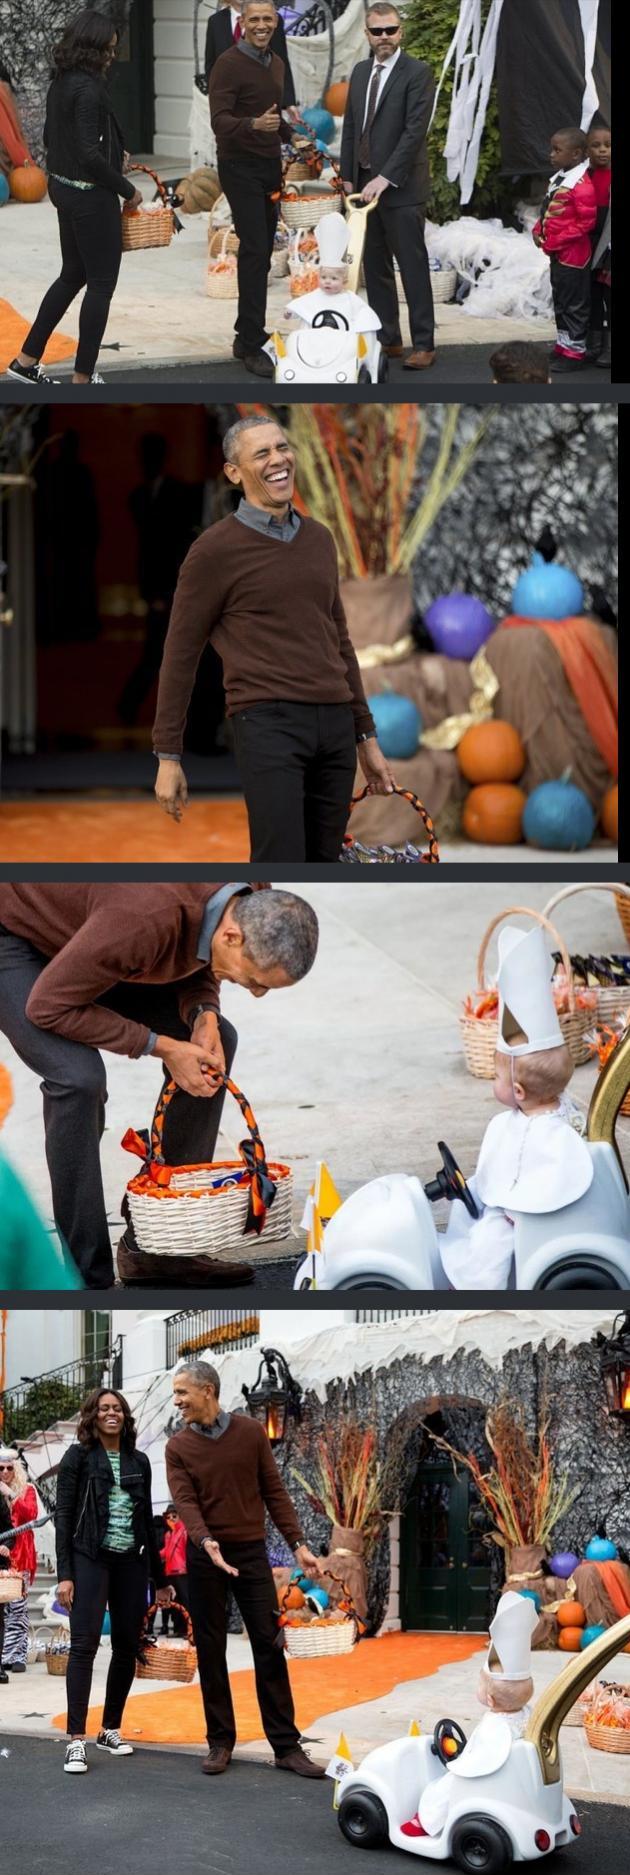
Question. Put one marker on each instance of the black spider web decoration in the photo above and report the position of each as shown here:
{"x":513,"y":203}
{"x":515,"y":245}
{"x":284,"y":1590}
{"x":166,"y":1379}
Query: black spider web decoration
{"x":27,"y":36}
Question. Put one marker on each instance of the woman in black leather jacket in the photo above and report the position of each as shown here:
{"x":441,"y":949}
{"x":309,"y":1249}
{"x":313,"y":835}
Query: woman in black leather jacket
{"x":106,"y":1553}
{"x":85,"y":158}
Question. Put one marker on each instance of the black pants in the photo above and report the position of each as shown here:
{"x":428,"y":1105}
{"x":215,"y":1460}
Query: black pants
{"x":90,"y":232}
{"x":297,"y":763}
{"x":600,"y":305}
{"x":75,"y":1092}
{"x":120,"y":1583}
{"x":571,"y":292}
{"x":398,"y":234}
{"x":255,"y":1594}
{"x":249,"y":183}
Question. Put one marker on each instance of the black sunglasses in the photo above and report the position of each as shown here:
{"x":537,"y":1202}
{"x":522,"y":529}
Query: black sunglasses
{"x":383,"y":32}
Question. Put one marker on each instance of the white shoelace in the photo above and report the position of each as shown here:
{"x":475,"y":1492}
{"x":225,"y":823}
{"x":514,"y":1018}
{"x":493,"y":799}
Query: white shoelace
{"x":111,"y":1738}
{"x":76,"y":1751}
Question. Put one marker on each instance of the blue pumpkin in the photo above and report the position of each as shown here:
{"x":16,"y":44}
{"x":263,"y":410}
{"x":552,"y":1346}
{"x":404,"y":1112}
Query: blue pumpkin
{"x":600,"y":1549}
{"x":398,"y":725}
{"x":559,"y":816}
{"x":4,"y":189}
{"x":319,"y":121}
{"x":547,"y":590}
{"x":592,"y":1634}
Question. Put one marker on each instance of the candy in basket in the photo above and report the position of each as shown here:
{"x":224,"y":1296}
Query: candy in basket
{"x":354,"y":852}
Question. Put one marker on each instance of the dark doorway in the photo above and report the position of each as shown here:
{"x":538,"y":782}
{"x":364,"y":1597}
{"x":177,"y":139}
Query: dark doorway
{"x":131,"y":83}
{"x":445,"y":1564}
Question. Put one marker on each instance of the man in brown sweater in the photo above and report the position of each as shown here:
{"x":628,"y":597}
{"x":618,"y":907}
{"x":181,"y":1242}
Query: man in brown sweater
{"x":136,"y":970}
{"x":246,"y":90}
{"x":263,"y":585}
{"x":222,"y":1476}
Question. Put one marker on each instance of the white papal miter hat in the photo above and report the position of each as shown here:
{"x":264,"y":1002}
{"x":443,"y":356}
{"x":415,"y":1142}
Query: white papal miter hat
{"x":526,"y":1001}
{"x":332,"y":240}
{"x":509,"y":1654}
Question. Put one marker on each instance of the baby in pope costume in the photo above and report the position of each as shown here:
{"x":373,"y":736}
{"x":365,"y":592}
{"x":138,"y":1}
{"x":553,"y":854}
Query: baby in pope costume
{"x":332,"y":295}
{"x":505,"y":1689}
{"x":532,"y":1159}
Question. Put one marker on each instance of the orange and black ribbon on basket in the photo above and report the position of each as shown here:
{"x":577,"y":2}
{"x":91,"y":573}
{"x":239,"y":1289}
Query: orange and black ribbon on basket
{"x":149,"y":1148}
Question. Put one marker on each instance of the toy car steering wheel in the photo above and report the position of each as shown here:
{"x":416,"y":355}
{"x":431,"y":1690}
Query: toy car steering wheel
{"x":450,"y":1182}
{"x":328,"y":316}
{"x":448,"y":1741}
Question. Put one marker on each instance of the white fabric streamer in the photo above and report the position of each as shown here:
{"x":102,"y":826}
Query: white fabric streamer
{"x":508,"y":274}
{"x":589,"y":10}
{"x":474,"y":53}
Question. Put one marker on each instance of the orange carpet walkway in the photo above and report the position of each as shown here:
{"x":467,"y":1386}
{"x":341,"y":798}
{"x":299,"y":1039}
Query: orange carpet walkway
{"x":13,"y":330}
{"x":175,"y":1716}
{"x":76,"y":829}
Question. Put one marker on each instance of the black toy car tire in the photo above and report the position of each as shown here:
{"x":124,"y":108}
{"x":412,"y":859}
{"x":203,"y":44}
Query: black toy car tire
{"x":480,"y":1846}
{"x":363,"y":1820}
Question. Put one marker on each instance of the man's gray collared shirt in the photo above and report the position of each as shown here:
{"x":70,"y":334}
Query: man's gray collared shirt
{"x":264,"y":523}
{"x":216,"y":1430}
{"x":213,"y":914}
{"x":263,"y":58}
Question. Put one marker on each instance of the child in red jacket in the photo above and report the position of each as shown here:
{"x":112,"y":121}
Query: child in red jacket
{"x":599,"y":153}
{"x":563,"y":231}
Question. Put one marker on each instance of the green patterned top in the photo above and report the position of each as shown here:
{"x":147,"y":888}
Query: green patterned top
{"x":119,"y":1533}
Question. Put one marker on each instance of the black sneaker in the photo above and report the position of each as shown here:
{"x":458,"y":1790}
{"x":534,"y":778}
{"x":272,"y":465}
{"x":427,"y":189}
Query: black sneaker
{"x":560,"y":363}
{"x":29,"y":374}
{"x":260,"y":364}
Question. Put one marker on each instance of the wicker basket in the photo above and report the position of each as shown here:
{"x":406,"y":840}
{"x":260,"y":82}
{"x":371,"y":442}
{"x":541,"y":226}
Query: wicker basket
{"x":353,"y":851}
{"x":11,"y":1586}
{"x":607,"y":1737}
{"x":222,"y":282}
{"x":480,"y":1034}
{"x":167,"y":1659}
{"x":623,"y":908}
{"x":613,"y":1000}
{"x":443,"y":284}
{"x":222,"y":241}
{"x":320,"y":1639}
{"x":300,"y":210}
{"x":206,"y":1209}
{"x":57,"y":1664}
{"x":142,"y":227}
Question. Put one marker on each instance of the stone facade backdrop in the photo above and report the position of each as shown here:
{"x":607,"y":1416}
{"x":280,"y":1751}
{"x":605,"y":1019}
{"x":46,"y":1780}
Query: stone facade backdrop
{"x":28,"y":32}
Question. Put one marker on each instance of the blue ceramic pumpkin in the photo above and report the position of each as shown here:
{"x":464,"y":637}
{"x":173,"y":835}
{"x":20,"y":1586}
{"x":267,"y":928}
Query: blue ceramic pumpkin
{"x":319,"y":121}
{"x":559,"y":816}
{"x":600,"y":1549}
{"x":398,"y":725}
{"x":547,"y":590}
{"x":459,"y":624}
{"x":4,"y":189}
{"x":592,"y":1634}
{"x":563,"y":1563}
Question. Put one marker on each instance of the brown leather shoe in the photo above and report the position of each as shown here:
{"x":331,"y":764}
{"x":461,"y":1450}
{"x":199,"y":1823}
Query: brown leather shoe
{"x":393,"y":351}
{"x":167,"y":1272}
{"x":218,"y":1759}
{"x":297,"y":1761}
{"x":419,"y":361}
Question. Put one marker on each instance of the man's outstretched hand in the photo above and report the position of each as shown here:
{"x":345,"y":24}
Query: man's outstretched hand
{"x":212,"y":1550}
{"x":171,"y":789}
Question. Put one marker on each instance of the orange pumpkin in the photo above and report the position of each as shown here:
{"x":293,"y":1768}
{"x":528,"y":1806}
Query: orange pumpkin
{"x":491,"y":752}
{"x":609,"y":815}
{"x":28,"y":183}
{"x":571,"y":1615}
{"x":336,"y":98}
{"x":570,"y":1640}
{"x":291,"y":1596}
{"x":493,"y":813}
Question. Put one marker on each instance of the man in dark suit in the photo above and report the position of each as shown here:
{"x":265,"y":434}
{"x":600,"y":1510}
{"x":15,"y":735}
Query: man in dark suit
{"x":384,"y":157}
{"x":225,"y":29}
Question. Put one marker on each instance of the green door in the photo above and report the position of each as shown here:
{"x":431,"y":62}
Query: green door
{"x":131,"y":81}
{"x":445,"y":1573}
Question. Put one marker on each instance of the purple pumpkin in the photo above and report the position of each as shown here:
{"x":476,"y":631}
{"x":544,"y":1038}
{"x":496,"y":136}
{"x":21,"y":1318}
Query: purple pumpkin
{"x":563,"y":1564}
{"x":459,"y":624}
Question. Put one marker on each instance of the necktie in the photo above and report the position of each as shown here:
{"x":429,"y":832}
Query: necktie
{"x":364,"y":144}
{"x":238,"y":31}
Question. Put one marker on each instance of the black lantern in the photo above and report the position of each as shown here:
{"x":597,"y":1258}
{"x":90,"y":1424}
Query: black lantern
{"x":615,"y":1368}
{"x":275,"y":1397}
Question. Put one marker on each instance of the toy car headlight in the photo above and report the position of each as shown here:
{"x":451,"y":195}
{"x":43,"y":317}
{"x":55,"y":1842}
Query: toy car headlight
{"x":342,"y":377}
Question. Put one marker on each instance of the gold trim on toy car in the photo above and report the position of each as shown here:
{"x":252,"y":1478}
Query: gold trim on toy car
{"x":551,"y":1709}
{"x":611,"y":1087}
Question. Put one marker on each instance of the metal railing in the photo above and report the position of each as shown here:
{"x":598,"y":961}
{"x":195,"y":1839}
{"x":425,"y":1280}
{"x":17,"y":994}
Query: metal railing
{"x":42,"y":1399}
{"x":388,"y":1315}
{"x":193,"y":1330}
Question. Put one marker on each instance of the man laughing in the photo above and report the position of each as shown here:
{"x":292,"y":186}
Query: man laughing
{"x":263,"y":585}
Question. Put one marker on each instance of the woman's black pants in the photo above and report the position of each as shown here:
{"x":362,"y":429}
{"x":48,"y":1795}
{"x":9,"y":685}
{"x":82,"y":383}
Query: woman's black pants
{"x":90,"y":232}
{"x":118,"y":1581}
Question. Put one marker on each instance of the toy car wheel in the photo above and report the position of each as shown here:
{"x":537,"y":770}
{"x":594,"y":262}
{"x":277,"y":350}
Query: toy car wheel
{"x":480,"y":1846}
{"x":364,"y":375}
{"x":383,"y":368}
{"x":367,"y":1282}
{"x":580,"y":1272}
{"x":363,"y":1820}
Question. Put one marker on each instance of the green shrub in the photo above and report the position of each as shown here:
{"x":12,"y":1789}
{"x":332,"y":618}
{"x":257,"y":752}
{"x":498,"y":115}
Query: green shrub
{"x":429,"y":28}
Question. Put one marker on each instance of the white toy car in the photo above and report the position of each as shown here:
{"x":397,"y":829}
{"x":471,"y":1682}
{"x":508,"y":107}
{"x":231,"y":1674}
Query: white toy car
{"x":328,"y":353}
{"x":507,"y":1806}
{"x":384,"y":1237}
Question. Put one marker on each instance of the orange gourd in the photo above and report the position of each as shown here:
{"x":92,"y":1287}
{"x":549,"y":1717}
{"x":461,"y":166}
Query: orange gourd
{"x":291,"y":1596}
{"x":570,"y":1640}
{"x":610,"y":814}
{"x":493,"y":813}
{"x":28,"y":183}
{"x":571,"y":1615}
{"x":491,"y":752}
{"x":336,"y":98}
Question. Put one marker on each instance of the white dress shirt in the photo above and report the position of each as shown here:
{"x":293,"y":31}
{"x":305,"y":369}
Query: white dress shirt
{"x":385,"y":71}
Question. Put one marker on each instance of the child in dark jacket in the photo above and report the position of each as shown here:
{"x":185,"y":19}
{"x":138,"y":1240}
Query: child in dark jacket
{"x":599,"y":154}
{"x":564,"y":232}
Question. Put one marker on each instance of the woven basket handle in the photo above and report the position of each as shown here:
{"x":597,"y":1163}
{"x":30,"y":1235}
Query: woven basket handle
{"x":525,"y":911}
{"x":179,"y":1609}
{"x":406,"y":794}
{"x":154,"y":178}
{"x":620,"y":890}
{"x":166,"y":1096}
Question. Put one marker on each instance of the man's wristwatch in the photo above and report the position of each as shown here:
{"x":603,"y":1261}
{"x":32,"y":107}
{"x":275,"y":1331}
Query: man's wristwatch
{"x":366,"y":737}
{"x":202,"y":1009}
